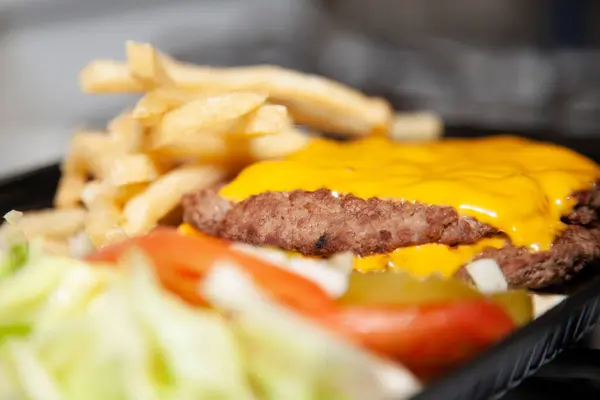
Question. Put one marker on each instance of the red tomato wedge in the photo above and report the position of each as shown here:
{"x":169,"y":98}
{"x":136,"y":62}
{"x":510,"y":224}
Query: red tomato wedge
{"x":429,"y":337}
{"x":181,"y":263}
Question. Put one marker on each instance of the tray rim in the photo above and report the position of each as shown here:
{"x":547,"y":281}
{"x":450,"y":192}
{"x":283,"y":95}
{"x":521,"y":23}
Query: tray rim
{"x":550,"y":322}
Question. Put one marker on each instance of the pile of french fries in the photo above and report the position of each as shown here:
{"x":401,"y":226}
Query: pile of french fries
{"x":193,"y":127}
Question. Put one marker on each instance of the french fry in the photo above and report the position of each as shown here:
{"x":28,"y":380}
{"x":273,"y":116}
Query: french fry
{"x":275,"y":146}
{"x":208,"y":114}
{"x":147,"y":65}
{"x":268,"y":119}
{"x":312,"y":100}
{"x":68,"y":192}
{"x":102,"y":223}
{"x":51,"y":223}
{"x":101,"y":191}
{"x":107,"y":76}
{"x":150,"y":109}
{"x":204,"y":147}
{"x":126,"y":133}
{"x":74,"y":170}
{"x":95,"y":150}
{"x":96,"y":191}
{"x":131,"y":168}
{"x":410,"y":126}
{"x":122,"y":194}
{"x":142,"y":212}
{"x":217,"y":148}
{"x":72,"y":180}
{"x":57,"y":247}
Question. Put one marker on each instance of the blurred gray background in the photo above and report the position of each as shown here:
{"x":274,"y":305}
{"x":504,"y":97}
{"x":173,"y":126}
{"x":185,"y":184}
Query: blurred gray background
{"x":521,"y":65}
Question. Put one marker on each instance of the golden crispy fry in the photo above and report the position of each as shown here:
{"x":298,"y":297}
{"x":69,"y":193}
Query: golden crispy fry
{"x":275,"y":146}
{"x":73,"y":177}
{"x":57,"y":247}
{"x":126,"y":133}
{"x":142,"y":212}
{"x":131,"y":168}
{"x":52,"y":223}
{"x":107,"y":76}
{"x":204,"y":147}
{"x":416,"y":126}
{"x":74,"y":170}
{"x":150,"y":109}
{"x":266,"y":120}
{"x":94,"y":150}
{"x":312,"y":100}
{"x":217,"y":148}
{"x":122,"y":194}
{"x":95,"y":191}
{"x":208,"y":114}
{"x":102,"y":223}
{"x":68,"y":193}
{"x":99,"y":191}
{"x":147,"y":65}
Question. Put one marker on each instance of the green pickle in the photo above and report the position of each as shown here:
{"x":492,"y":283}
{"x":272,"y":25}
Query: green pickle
{"x":518,"y":303}
{"x":399,"y":288}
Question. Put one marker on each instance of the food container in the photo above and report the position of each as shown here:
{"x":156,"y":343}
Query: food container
{"x":492,"y":373}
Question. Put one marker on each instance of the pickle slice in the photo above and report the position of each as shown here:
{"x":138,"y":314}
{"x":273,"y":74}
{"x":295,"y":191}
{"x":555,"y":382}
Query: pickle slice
{"x":400,"y":288}
{"x":518,"y":303}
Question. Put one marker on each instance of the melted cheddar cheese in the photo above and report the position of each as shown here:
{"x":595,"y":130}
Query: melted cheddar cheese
{"x":522,"y":187}
{"x":186,"y":229}
{"x":420,"y":261}
{"x":426,"y":259}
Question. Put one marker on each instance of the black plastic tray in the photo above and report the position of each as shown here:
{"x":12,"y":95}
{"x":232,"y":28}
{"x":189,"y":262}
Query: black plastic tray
{"x":507,"y":364}
{"x":490,"y":375}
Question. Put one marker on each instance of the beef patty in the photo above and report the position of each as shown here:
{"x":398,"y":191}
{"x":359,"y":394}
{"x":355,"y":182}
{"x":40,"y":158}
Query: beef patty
{"x":322,"y":223}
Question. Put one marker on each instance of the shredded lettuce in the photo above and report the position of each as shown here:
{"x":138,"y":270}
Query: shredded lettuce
{"x":31,"y":377}
{"x":73,"y":331}
{"x":14,"y":259}
{"x":183,"y":336}
{"x":93,"y":333}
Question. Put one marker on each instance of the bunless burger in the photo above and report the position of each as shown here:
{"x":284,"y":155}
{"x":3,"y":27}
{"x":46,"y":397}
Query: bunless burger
{"x":434,"y":207}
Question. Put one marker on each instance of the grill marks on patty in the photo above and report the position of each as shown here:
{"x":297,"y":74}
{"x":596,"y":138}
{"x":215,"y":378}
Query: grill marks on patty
{"x":319,"y":223}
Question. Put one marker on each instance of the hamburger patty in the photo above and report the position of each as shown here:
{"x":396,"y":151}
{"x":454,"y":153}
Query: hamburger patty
{"x":535,"y":270}
{"x":321,"y":223}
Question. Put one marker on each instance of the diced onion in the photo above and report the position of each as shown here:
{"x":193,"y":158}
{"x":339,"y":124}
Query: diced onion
{"x":487,"y":276}
{"x":13,"y":217}
{"x":544,"y":302}
{"x":80,"y":245}
{"x":330,"y":274}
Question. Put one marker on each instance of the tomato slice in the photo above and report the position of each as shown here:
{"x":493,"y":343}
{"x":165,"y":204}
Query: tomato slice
{"x":181,"y":263}
{"x":428,"y":338}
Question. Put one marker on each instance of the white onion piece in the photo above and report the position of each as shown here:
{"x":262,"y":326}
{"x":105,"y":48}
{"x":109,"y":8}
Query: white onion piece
{"x":487,"y":275}
{"x":13,"y":217}
{"x":330,"y":274}
{"x":544,"y":302}
{"x":10,"y":233}
{"x":80,"y":245}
